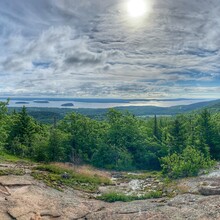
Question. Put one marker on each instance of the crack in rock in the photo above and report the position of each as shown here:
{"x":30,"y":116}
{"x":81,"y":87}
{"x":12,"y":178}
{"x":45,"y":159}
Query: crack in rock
{"x":5,"y":191}
{"x":88,"y":213}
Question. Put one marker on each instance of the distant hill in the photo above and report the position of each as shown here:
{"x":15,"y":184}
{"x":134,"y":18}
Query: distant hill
{"x":47,"y":115}
{"x":215,"y":107}
{"x":153,"y":110}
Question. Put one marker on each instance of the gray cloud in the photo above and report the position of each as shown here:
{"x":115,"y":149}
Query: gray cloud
{"x":93,"y":48}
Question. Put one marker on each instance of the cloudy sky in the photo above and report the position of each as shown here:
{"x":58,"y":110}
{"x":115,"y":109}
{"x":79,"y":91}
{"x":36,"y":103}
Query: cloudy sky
{"x":96,"y":48}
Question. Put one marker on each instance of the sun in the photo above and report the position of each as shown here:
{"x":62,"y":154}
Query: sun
{"x":137,"y":8}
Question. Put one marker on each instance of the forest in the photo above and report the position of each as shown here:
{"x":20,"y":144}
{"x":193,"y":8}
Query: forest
{"x":180,"y":145}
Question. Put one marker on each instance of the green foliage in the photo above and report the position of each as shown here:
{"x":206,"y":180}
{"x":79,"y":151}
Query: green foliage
{"x":147,"y":159}
{"x":18,"y":172}
{"x":215,"y":126}
{"x":3,"y":108}
{"x":177,"y":136}
{"x":124,"y":131}
{"x":59,"y":146}
{"x":186,"y":164}
{"x":156,"y":129}
{"x":128,"y":134}
{"x":209,"y":136}
{"x":112,"y":157}
{"x":4,"y":123}
{"x":116,"y":196}
{"x":40,"y":147}
{"x":121,"y":141}
{"x":21,"y":136}
{"x":85,"y":135}
{"x":143,"y":176}
{"x":12,"y":158}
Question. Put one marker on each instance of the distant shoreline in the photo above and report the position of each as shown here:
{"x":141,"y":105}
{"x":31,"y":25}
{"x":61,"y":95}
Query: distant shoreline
{"x":76,"y":103}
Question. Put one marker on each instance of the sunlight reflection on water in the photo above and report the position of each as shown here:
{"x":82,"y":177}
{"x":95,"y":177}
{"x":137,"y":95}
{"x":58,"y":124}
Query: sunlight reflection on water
{"x":78,"y":104}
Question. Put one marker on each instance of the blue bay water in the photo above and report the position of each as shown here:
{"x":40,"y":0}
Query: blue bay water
{"x":96,"y":103}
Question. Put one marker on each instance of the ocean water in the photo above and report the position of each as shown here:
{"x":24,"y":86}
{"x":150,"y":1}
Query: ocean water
{"x":96,"y":103}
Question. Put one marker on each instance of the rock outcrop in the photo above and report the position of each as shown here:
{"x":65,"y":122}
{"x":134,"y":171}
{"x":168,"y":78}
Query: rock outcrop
{"x":24,"y":198}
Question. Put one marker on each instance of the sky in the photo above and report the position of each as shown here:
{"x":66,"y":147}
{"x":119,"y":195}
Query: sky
{"x":98,"y":48}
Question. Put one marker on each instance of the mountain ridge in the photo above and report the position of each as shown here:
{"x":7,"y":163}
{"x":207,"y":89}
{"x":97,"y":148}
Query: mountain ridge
{"x":48,"y":114}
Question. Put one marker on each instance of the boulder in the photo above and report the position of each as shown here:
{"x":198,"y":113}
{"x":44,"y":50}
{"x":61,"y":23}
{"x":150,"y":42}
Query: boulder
{"x":210,"y":190}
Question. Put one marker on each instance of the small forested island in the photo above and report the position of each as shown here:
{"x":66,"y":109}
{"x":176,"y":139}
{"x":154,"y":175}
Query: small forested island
{"x":67,"y":105}
{"x":123,"y":158}
{"x":22,"y":103}
{"x":41,"y":101}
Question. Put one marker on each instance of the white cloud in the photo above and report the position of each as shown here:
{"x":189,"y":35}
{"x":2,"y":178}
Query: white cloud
{"x":91,"y":48}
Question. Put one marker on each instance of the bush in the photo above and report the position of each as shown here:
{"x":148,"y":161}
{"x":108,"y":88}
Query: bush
{"x":114,"y":197}
{"x":111,"y":157}
{"x":189,"y":163}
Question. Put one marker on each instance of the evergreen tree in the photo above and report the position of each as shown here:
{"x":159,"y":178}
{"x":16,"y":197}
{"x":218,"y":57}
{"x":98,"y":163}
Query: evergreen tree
{"x":58,"y":146}
{"x":156,"y":131}
{"x":191,"y":134}
{"x":209,"y":137}
{"x":22,"y":132}
{"x":112,"y":157}
{"x":85,"y":134}
{"x":4,"y":124}
{"x":177,"y":139}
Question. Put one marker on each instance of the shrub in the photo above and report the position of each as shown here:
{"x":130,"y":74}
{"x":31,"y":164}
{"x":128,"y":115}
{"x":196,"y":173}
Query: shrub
{"x":114,"y":197}
{"x":112,"y":157}
{"x":189,"y":163}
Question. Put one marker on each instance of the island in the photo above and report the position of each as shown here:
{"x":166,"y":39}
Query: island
{"x":68,"y":105}
{"x":22,"y":103}
{"x":41,"y":101}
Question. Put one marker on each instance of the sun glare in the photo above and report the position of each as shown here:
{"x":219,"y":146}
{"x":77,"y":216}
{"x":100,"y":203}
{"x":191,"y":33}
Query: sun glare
{"x":137,"y":8}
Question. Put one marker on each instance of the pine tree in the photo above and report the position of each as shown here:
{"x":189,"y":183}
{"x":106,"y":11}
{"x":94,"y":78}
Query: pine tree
{"x":3,"y":123}
{"x":177,"y":139}
{"x":21,"y":135}
{"x":156,"y":132}
{"x":208,"y":136}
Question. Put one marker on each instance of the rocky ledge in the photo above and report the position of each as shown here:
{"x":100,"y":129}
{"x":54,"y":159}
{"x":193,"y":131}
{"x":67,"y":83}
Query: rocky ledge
{"x":24,"y":198}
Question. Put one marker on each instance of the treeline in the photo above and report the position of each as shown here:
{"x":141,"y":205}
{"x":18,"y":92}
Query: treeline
{"x":121,"y":141}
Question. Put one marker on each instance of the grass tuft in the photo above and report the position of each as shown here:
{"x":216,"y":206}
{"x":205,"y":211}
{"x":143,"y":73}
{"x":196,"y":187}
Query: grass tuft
{"x":52,"y":175}
{"x":18,"y":172}
{"x":143,"y":176}
{"x":14,"y":159}
{"x":116,"y":196}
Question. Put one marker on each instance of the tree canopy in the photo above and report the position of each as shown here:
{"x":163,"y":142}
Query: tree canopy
{"x":119,"y":141}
